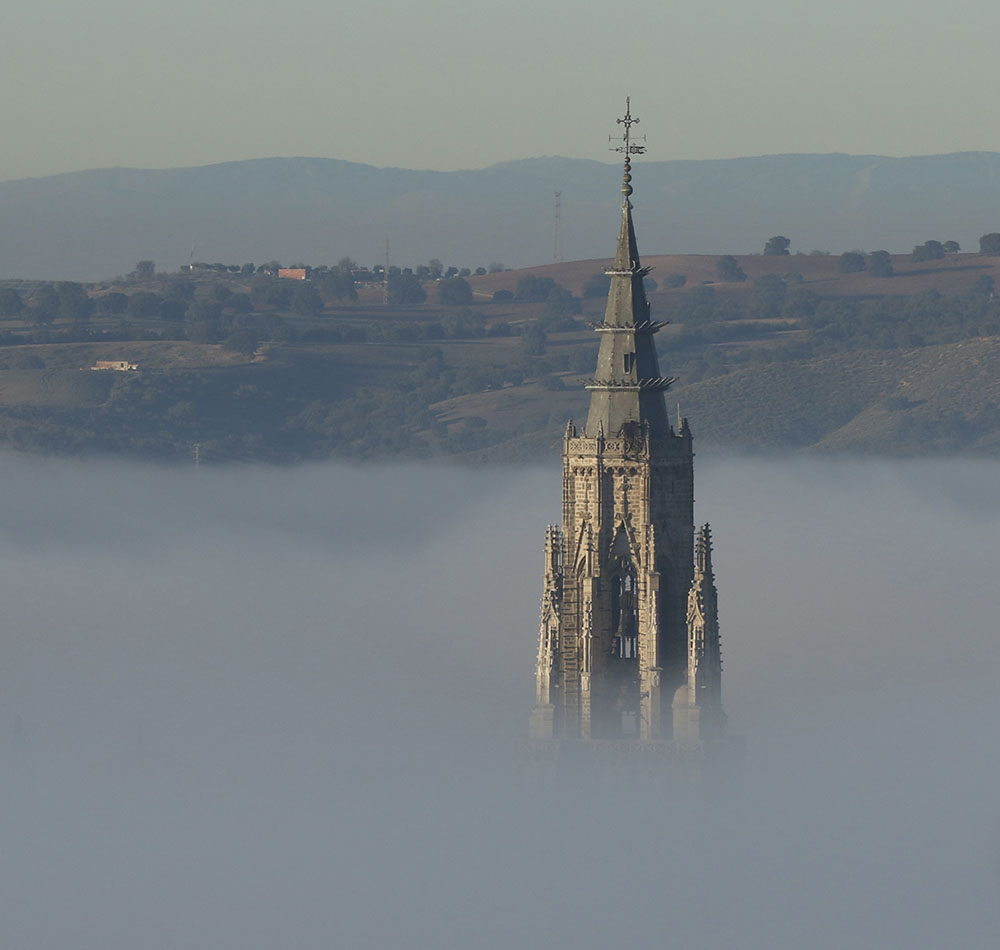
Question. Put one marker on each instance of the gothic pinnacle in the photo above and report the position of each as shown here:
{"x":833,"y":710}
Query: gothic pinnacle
{"x":703,"y":551}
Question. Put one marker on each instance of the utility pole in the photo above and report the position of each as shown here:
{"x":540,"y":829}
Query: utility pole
{"x":385,"y":277}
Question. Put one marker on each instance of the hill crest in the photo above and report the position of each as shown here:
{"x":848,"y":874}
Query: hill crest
{"x":88,"y":225}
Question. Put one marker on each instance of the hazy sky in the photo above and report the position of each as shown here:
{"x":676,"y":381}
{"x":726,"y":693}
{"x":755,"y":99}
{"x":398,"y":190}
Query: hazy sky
{"x":444,"y":85}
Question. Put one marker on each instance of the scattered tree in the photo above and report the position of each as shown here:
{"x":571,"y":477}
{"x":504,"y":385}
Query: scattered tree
{"x":533,"y":289}
{"x":928,"y":251}
{"x":465,"y":325}
{"x":74,"y":302}
{"x":984,"y":286}
{"x":220,"y":292}
{"x":673,"y":281}
{"x":45,"y":306}
{"x":11,"y":304}
{"x":239,"y":303}
{"x":241,"y":341}
{"x":272,"y":293}
{"x":306,"y":301}
{"x":560,"y":303}
{"x":113,"y":303}
{"x":990,"y":244}
{"x":338,"y":284}
{"x":174,"y":310}
{"x":203,"y":321}
{"x":144,"y":270}
{"x":405,"y":291}
{"x":767,"y":297}
{"x":180,"y":290}
{"x":454,"y":292}
{"x":204,"y":311}
{"x":880,"y":264}
{"x":776,"y":246}
{"x":533,"y":339}
{"x":851,"y":262}
{"x":728,"y":269}
{"x":143,"y":303}
{"x":951,"y":247}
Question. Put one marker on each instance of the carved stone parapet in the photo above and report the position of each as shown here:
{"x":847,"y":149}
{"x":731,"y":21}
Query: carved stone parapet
{"x":582,"y":445}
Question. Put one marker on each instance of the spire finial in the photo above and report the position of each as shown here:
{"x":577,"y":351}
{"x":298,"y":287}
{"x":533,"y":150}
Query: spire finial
{"x":628,"y":147}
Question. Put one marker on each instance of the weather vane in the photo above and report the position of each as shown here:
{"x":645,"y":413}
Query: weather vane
{"x":627,"y":146}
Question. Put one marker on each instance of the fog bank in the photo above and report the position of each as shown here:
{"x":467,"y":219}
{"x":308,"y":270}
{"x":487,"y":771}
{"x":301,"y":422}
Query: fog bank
{"x":249,"y":708}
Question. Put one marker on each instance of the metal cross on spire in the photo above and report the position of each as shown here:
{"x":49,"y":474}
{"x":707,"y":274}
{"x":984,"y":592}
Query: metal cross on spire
{"x":627,"y":146}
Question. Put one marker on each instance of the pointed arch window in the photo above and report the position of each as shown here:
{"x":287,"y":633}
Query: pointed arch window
{"x":624,"y":611}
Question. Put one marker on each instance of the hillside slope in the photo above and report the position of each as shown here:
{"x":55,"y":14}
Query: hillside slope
{"x":797,"y":357}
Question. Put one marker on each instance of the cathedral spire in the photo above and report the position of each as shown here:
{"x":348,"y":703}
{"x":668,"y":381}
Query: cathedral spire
{"x":627,"y":388}
{"x":628,"y":644}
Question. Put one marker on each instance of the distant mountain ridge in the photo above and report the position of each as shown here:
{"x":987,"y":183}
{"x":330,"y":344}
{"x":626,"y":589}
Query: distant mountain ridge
{"x":91,"y":225}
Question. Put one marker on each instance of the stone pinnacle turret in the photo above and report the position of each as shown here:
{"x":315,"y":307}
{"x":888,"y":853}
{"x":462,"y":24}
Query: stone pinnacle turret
{"x":698,"y":713}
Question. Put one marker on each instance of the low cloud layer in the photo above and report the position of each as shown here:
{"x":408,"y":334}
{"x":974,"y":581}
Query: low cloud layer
{"x":250,"y":708}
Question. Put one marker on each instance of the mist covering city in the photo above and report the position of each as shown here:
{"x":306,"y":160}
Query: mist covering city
{"x":262,"y":706}
{"x":277,"y":694}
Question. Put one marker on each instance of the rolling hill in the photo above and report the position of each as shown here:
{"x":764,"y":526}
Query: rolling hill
{"x":90,"y":225}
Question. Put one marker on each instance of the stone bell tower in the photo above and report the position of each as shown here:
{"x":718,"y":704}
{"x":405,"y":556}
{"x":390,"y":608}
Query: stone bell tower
{"x":617,"y":629}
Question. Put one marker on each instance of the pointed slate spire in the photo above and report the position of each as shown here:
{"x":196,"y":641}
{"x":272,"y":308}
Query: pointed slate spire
{"x":627,"y":388}
{"x":627,"y":256}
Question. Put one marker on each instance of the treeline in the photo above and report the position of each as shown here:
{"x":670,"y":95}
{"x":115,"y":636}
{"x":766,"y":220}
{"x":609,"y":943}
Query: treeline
{"x":242,"y":313}
{"x":432,"y":270}
{"x":800,"y":324}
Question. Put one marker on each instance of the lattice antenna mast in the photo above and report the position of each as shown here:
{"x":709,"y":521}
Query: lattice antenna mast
{"x":385,"y":276}
{"x":556,"y":241}
{"x":628,"y":146}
